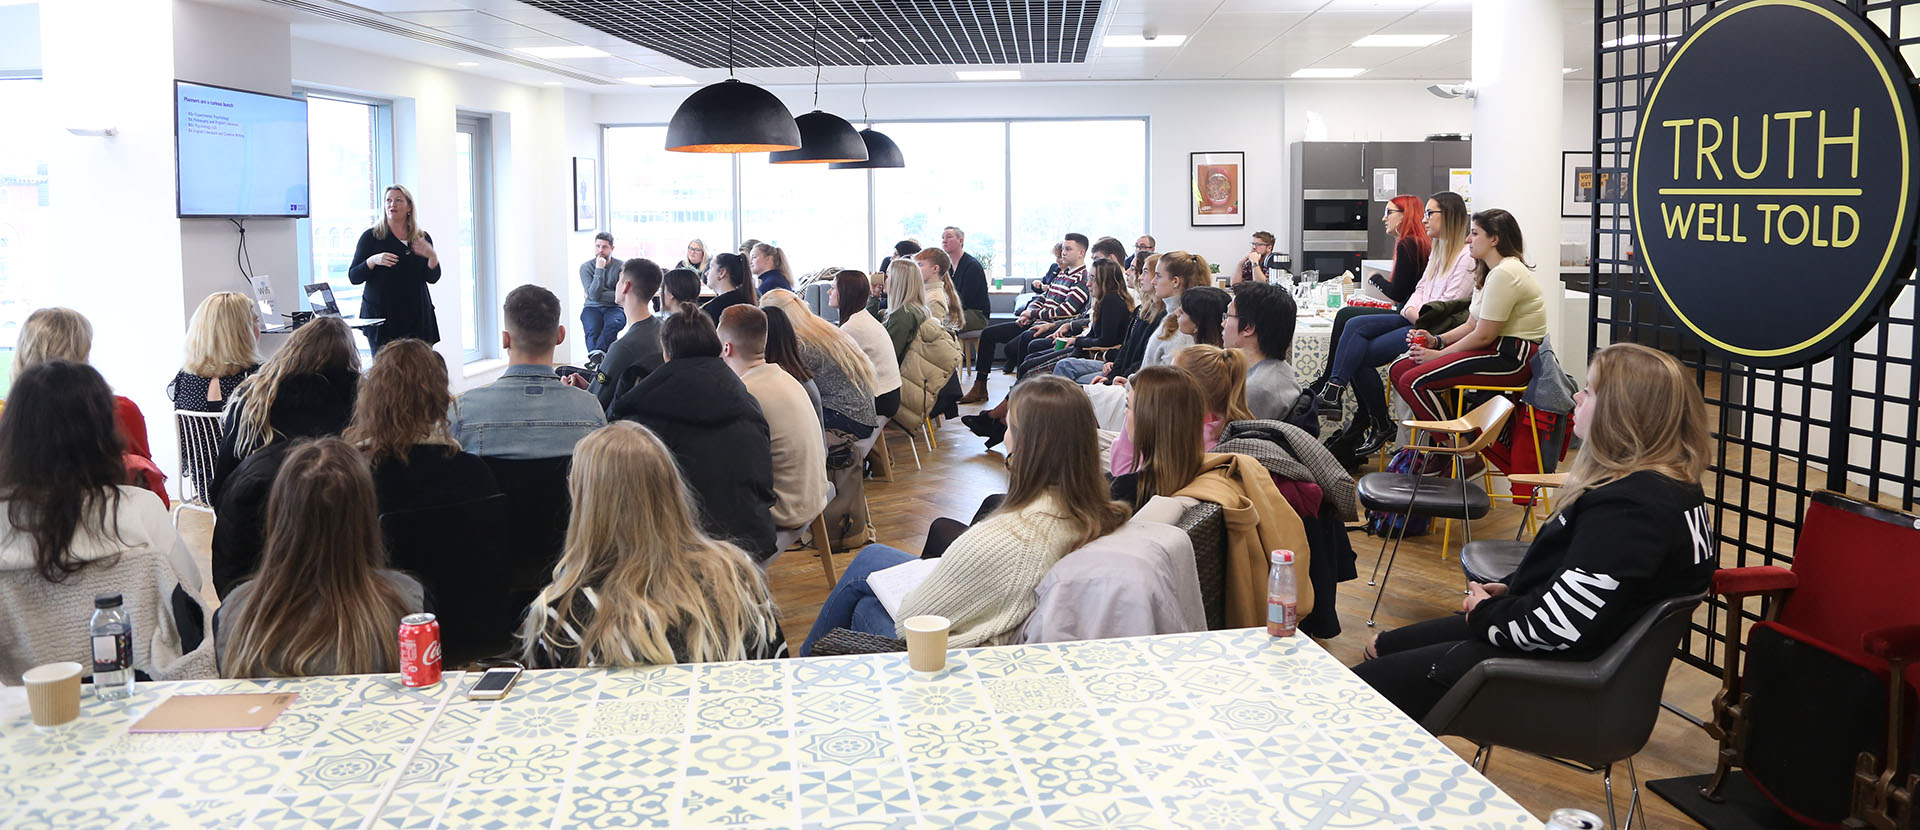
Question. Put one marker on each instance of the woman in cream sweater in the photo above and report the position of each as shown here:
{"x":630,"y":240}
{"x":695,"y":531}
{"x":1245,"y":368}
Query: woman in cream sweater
{"x":1056,"y":502}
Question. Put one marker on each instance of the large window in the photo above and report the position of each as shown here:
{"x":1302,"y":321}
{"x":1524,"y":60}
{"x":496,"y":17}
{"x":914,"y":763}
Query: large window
{"x":473,"y":267}
{"x":26,"y":224}
{"x":1015,"y":187}
{"x":1074,"y":176}
{"x":350,"y":146}
{"x":659,"y":201}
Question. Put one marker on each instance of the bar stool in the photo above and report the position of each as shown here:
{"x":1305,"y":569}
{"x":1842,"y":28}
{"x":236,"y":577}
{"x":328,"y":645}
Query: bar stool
{"x":1460,"y":404}
{"x":1416,"y":493}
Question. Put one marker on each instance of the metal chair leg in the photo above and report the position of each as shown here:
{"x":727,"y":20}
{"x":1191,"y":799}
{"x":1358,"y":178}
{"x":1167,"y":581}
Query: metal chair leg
{"x":1382,"y":591}
{"x":1606,"y":781}
{"x":1633,"y":778}
{"x":1482,"y":757}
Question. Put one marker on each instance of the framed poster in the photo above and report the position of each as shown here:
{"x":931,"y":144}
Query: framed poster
{"x":586,"y":213}
{"x":1218,"y":189}
{"x":1583,"y":185}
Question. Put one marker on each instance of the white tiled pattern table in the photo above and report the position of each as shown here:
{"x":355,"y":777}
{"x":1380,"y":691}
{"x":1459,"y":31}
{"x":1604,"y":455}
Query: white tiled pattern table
{"x":1226,"y":729}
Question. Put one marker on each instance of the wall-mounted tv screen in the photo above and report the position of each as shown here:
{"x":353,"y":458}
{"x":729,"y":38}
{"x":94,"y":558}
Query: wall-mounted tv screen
{"x":238,"y":153}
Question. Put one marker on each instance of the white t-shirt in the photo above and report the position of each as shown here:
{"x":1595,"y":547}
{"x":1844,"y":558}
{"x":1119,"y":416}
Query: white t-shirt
{"x":873,"y":340}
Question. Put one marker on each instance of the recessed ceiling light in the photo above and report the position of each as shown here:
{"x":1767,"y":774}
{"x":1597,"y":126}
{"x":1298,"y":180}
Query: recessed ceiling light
{"x":553,"y":83}
{"x":1327,"y":72}
{"x":987,"y":74}
{"x":658,"y":80}
{"x":1399,"y":41}
{"x":562,"y":52}
{"x":1636,"y":40}
{"x":1142,"y":41}
{"x":468,"y":63}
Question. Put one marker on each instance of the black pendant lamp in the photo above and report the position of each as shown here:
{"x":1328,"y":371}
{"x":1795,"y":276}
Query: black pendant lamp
{"x":732,"y":117}
{"x":824,"y":137}
{"x":881,"y":151}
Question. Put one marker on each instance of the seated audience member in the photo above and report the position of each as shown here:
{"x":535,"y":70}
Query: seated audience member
{"x":1112,"y":311}
{"x":1259,"y":324}
{"x":324,"y":600}
{"x":1365,"y":344}
{"x":638,"y":350}
{"x":73,"y":531}
{"x":601,"y":316}
{"x":1054,"y":266}
{"x":679,"y":287}
{"x":929,"y":353}
{"x":1632,"y":531}
{"x":704,"y":414}
{"x":746,"y":248}
{"x":528,"y":412}
{"x":1202,"y":316}
{"x":64,"y":334}
{"x":770,"y":269}
{"x":222,"y":350}
{"x":1154,"y":321}
{"x":1505,"y":326}
{"x":640,"y":583}
{"x":1253,"y":266}
{"x":849,"y":295}
{"x":936,"y":282}
{"x":1166,"y":415}
{"x":1222,"y":376}
{"x":1056,"y":501}
{"x":846,"y":380}
{"x":1065,"y":298}
{"x":696,"y":260}
{"x":783,"y":350}
{"x":400,"y":423}
{"x":906,"y":305}
{"x":307,"y":389}
{"x":901,"y":250}
{"x":969,"y":278}
{"x":799,"y":454}
{"x":728,"y":277}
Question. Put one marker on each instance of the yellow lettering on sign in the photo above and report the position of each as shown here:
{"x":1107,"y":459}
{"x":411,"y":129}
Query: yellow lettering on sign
{"x":1853,"y":229}
{"x":1740,"y":171}
{"x":1793,"y":133}
{"x":1703,"y":152}
{"x":1679,"y":126}
{"x":1676,"y":218}
{"x":1820,"y":167}
{"x":1805,"y":226}
{"x":1766,"y":222}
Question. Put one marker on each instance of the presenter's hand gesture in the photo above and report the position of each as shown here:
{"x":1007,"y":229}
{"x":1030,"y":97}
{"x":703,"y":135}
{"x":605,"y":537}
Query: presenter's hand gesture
{"x":382,"y":261}
{"x":422,"y":247}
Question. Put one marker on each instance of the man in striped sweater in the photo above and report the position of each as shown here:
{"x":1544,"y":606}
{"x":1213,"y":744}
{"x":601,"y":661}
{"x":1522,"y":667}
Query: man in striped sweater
{"x":1065,"y":298}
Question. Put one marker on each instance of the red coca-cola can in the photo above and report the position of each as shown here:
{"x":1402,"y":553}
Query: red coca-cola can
{"x":419,"y":650}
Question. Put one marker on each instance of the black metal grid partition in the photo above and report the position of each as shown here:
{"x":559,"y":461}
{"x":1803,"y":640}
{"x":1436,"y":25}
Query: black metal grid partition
{"x":1850,"y":423}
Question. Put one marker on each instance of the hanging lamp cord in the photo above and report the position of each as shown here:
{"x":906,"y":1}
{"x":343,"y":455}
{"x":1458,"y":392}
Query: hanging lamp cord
{"x":730,"y":27}
{"x":816,"y":57}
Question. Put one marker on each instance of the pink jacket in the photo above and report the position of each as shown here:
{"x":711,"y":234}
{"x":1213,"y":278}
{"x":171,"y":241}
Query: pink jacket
{"x":1455,"y":284}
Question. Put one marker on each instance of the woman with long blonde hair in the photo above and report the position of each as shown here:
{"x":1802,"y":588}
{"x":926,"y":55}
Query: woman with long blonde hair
{"x":639,"y":583}
{"x":222,"y":350}
{"x":844,"y":373}
{"x":324,"y":600}
{"x":1166,"y":415}
{"x":1222,"y":378}
{"x":906,"y":304}
{"x":306,"y":389}
{"x":396,"y":261}
{"x":936,"y":276}
{"x":1056,"y":501}
{"x":770,"y":268}
{"x":1632,"y":530}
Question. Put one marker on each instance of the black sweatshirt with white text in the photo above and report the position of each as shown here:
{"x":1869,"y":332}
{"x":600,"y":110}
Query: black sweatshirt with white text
{"x":1595,"y":568}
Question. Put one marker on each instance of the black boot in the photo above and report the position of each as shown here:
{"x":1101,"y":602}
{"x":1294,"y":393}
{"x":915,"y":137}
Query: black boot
{"x":1380,"y":428}
{"x":1342,"y":441}
{"x":1329,"y":400}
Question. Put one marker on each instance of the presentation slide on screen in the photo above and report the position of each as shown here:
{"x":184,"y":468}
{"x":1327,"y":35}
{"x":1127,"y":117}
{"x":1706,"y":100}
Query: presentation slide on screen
{"x":241,"y":154}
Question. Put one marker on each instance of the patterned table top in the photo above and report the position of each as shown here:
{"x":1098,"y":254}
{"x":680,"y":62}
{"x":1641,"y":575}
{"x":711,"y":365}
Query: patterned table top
{"x":1222,"y":729}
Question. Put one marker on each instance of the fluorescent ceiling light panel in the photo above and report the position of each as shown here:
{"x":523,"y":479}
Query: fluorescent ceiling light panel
{"x":562,"y":52}
{"x":1142,"y":42}
{"x":658,"y":80}
{"x":1636,"y":40}
{"x":1327,"y":72}
{"x":553,"y":83}
{"x":987,"y":74}
{"x":468,"y":63}
{"x":1399,"y":41}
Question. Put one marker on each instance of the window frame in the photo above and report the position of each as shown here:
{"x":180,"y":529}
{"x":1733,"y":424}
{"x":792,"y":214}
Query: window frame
{"x":485,"y":297}
{"x":1004,"y":267}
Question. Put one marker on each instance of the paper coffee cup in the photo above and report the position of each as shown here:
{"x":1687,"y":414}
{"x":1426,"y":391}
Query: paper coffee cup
{"x":53,"y":693}
{"x":927,"y":642}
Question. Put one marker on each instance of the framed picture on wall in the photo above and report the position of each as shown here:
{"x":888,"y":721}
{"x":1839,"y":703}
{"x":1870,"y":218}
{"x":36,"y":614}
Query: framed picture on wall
{"x":586,"y":205}
{"x":1583,"y":185}
{"x":1219,"y":194}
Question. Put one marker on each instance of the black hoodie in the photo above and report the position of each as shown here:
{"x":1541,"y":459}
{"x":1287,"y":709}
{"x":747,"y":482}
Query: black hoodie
{"x":307,"y":406}
{"x":713,"y":426}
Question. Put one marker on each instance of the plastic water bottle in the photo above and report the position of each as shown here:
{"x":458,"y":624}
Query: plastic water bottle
{"x":112,"y":637}
{"x":1283,"y":598}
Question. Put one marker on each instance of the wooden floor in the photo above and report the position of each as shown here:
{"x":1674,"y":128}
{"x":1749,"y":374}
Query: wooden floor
{"x":955,"y":476}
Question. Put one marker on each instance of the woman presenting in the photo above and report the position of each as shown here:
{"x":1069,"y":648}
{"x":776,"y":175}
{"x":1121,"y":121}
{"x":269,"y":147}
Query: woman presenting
{"x":396,"y":261}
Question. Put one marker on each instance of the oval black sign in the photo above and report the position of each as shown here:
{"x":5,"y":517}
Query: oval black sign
{"x":1772,"y":194}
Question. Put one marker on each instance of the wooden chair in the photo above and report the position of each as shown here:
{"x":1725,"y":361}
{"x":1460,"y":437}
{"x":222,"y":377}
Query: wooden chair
{"x":969,"y":350}
{"x":822,"y":544}
{"x":1412,"y":494}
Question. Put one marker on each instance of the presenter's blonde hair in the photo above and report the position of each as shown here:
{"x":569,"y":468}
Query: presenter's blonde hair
{"x":413,"y":215}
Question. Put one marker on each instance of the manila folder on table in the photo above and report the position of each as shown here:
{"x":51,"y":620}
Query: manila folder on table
{"x":215,"y":713}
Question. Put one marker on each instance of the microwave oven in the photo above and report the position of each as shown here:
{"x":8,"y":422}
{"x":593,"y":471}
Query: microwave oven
{"x":1333,"y":214}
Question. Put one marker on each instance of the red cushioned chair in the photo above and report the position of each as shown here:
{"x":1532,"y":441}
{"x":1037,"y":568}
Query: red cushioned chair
{"x":1814,"y":715}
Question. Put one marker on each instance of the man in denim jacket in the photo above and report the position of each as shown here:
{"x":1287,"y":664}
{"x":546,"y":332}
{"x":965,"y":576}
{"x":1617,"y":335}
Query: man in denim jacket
{"x":528,"y":413}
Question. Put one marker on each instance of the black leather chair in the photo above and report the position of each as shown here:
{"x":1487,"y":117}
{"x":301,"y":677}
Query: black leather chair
{"x":1415,"y":494}
{"x":458,"y":551}
{"x":1586,"y":715}
{"x":539,"y":506}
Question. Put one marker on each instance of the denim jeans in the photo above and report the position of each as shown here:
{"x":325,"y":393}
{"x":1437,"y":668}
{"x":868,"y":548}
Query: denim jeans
{"x":1079,"y":369}
{"x":852,"y":604}
{"x":602,"y":325}
{"x":1367,"y":343}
